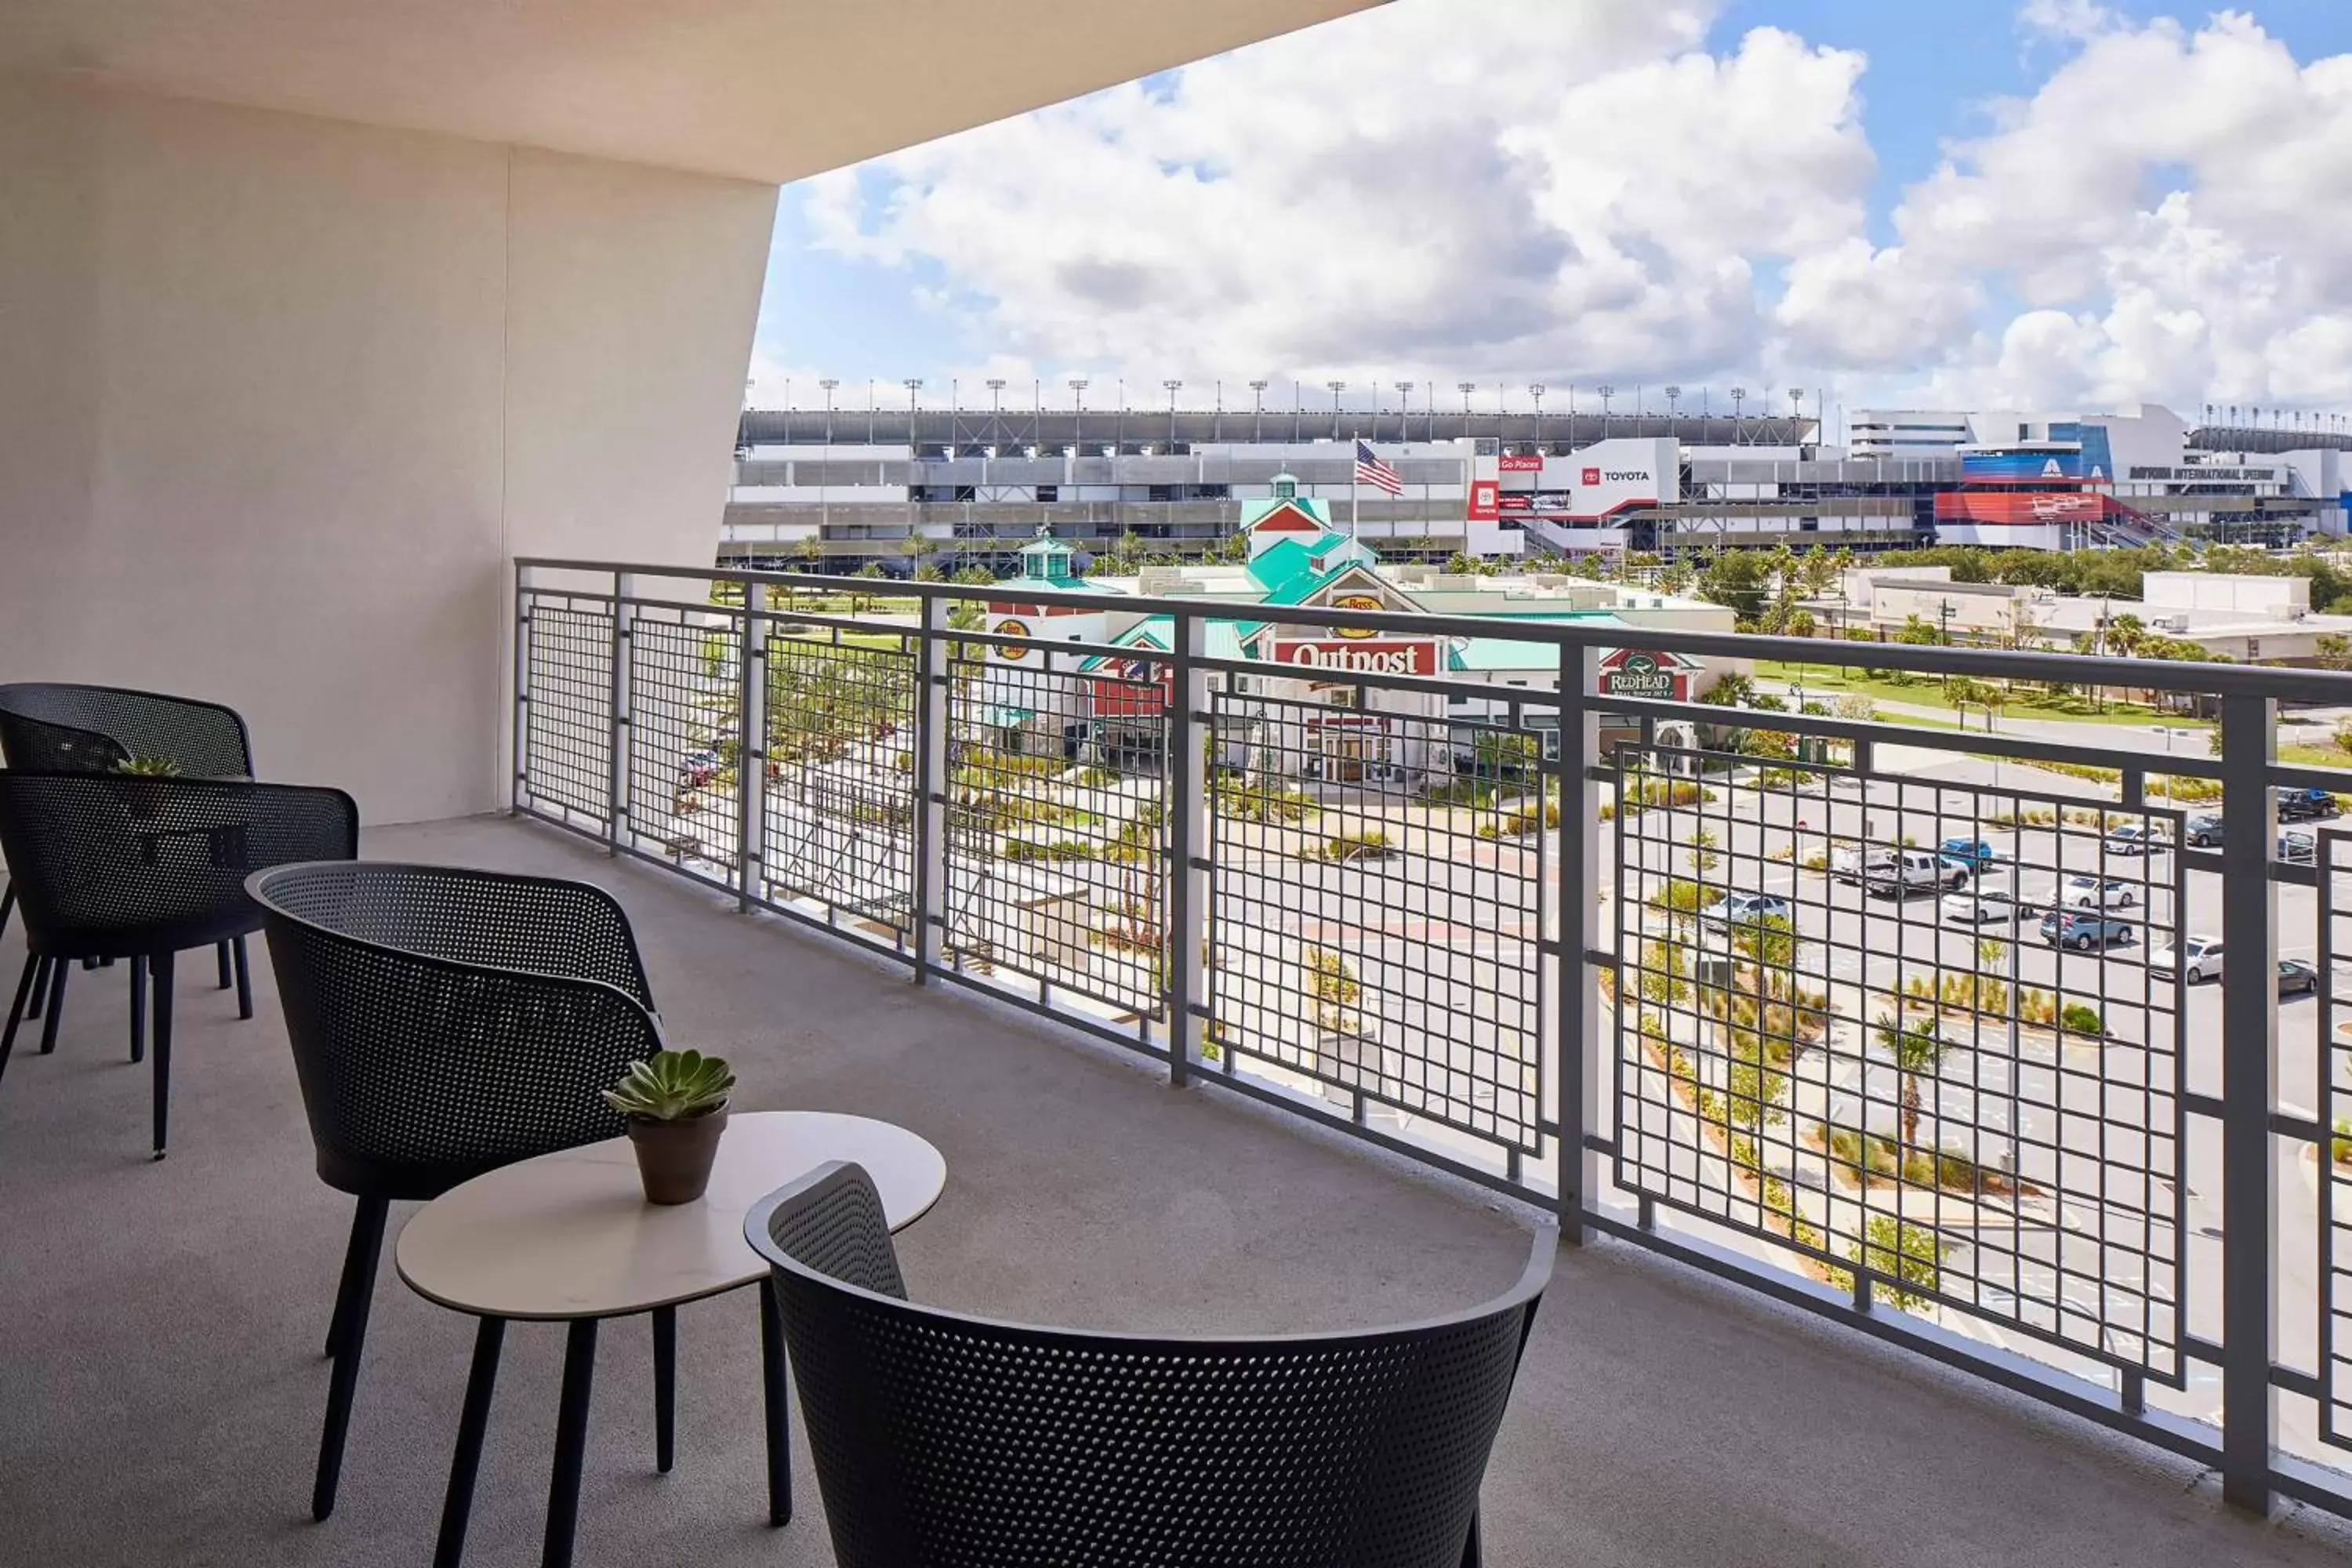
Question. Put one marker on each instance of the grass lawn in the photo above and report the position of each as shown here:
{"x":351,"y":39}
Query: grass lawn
{"x":2314,"y":756}
{"x":1835,"y":682}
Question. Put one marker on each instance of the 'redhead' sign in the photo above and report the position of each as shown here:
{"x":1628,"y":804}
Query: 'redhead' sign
{"x":1635,"y":672}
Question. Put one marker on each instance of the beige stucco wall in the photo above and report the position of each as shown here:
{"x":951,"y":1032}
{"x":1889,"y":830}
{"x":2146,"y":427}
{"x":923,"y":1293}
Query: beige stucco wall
{"x":280,"y":396}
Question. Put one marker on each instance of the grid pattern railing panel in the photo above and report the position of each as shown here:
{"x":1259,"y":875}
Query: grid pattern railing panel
{"x":1057,"y":827}
{"x":840,"y":799}
{"x":1930,"y":1029}
{"x":684,"y":692}
{"x":567,"y":725}
{"x":1376,"y":916}
{"x":2330,"y":1161}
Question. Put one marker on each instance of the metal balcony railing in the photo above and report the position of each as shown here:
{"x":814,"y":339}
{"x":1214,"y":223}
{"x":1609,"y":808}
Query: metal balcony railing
{"x":1751,"y":989}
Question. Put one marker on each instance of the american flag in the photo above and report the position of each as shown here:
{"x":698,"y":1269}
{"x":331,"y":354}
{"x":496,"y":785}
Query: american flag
{"x":1373,"y":471}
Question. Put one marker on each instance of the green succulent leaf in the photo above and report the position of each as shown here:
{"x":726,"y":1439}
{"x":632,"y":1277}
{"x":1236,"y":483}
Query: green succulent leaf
{"x":670,"y":1086}
{"x":149,"y":767}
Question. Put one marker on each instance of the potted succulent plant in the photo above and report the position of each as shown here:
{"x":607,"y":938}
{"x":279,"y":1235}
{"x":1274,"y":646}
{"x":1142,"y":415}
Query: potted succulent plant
{"x":676,"y":1103}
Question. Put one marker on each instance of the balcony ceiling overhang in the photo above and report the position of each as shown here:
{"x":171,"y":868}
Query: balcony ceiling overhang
{"x":761,"y":89}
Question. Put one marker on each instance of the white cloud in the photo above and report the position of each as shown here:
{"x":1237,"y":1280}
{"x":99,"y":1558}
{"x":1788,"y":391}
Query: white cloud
{"x":1506,"y":189}
{"x":1440,"y":187}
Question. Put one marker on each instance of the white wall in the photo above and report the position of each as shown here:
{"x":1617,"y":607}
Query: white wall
{"x":280,"y":396}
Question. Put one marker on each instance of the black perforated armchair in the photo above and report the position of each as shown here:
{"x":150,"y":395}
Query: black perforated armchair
{"x":948,"y":1441}
{"x":52,"y":727}
{"x":445,"y":1022}
{"x":106,"y":866}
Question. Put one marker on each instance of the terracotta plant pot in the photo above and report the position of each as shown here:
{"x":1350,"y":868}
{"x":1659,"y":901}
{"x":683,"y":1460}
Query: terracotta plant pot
{"x":674,"y":1158}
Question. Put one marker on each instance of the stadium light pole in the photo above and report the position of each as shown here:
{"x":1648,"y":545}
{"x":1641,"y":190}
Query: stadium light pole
{"x":1078,"y":414}
{"x":1535,"y":389}
{"x":1673,"y":403}
{"x":1337,"y":388}
{"x":1796,"y":403}
{"x":1606,"y":391}
{"x":869,"y":410}
{"x":1173,"y":387}
{"x":914,"y":385}
{"x":1404,"y":410}
{"x":996,"y":408}
{"x":1739,"y":411}
{"x":829,"y":382}
{"x":1257,"y":411}
{"x":1465,"y":388}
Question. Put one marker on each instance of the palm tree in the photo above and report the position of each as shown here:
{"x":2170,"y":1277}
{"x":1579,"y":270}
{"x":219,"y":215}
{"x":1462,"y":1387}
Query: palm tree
{"x":1916,"y":1049}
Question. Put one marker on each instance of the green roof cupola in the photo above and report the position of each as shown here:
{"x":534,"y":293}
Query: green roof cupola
{"x":1286,"y":486}
{"x":1045,"y":559}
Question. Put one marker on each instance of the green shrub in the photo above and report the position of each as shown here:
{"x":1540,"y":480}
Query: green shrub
{"x":1363,"y":845}
{"x":1522,"y":822}
{"x":1049,"y":849}
{"x":2079,"y":1018}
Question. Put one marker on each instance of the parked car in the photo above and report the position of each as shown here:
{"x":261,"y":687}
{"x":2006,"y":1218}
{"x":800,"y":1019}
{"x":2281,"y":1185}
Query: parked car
{"x":1744,"y":909}
{"x":2298,"y":848}
{"x":2083,"y":929}
{"x":1982,"y":903}
{"x":2204,"y":830}
{"x":2297,"y":977}
{"x":1970,"y":852}
{"x":2097,"y":893}
{"x":2136,"y":838}
{"x":2200,"y":958}
{"x":1892,"y":873}
{"x":2305,"y":804}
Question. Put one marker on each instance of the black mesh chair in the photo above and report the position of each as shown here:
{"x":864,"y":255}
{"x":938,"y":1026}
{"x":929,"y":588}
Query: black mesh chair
{"x":106,"y":867}
{"x":445,"y":1022}
{"x":51,"y":727}
{"x":949,"y":1441}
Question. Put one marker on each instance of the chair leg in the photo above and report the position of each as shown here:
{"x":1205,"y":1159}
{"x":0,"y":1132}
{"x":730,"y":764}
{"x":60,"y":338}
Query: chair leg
{"x":26,"y":984}
{"x":244,"y":979}
{"x":348,"y":1297}
{"x":665,"y":1388}
{"x":7,"y":906}
{"x":58,"y":969}
{"x":359,"y":1287}
{"x":138,"y":1010}
{"x":159,"y":971}
{"x":1472,"y":1556}
{"x":220,"y":957}
{"x":40,"y":991}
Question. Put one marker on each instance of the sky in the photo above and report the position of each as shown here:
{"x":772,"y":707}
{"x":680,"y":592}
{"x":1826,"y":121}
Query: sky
{"x":2052,"y":204}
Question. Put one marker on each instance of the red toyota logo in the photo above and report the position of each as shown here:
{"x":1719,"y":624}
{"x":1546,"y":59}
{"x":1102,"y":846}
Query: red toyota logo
{"x":1592,"y":476}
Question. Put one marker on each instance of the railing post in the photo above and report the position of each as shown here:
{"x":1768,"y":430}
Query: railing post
{"x":2250,"y":1251}
{"x":751,"y":751}
{"x":518,"y":708}
{"x":1190,"y":729}
{"x":617,"y":729}
{"x":934,"y":652}
{"x":1580,"y":1071}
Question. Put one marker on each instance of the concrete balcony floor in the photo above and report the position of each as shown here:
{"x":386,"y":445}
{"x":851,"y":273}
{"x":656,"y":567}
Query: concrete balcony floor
{"x":160,"y":1397}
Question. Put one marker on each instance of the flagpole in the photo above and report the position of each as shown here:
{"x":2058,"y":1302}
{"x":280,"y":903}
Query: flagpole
{"x":1355,"y":487}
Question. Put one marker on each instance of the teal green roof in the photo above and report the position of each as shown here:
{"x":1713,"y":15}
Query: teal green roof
{"x":999,"y":717}
{"x":1286,"y":571}
{"x":1222,"y":639}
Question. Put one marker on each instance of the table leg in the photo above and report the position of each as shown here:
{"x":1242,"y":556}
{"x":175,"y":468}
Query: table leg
{"x":771,"y":1381}
{"x":665,"y":1388}
{"x":58,"y":969}
{"x":244,"y":968}
{"x":221,"y":960}
{"x":473,"y":1423}
{"x":571,"y":1443}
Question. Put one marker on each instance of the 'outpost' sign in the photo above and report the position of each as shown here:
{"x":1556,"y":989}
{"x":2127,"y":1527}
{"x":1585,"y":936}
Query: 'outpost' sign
{"x":1392,"y":655}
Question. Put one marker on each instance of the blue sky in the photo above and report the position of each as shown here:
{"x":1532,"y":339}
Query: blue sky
{"x":976,"y":254}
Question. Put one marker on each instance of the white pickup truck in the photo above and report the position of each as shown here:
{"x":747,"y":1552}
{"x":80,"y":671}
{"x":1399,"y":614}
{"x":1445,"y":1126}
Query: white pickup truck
{"x":1894,"y":871}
